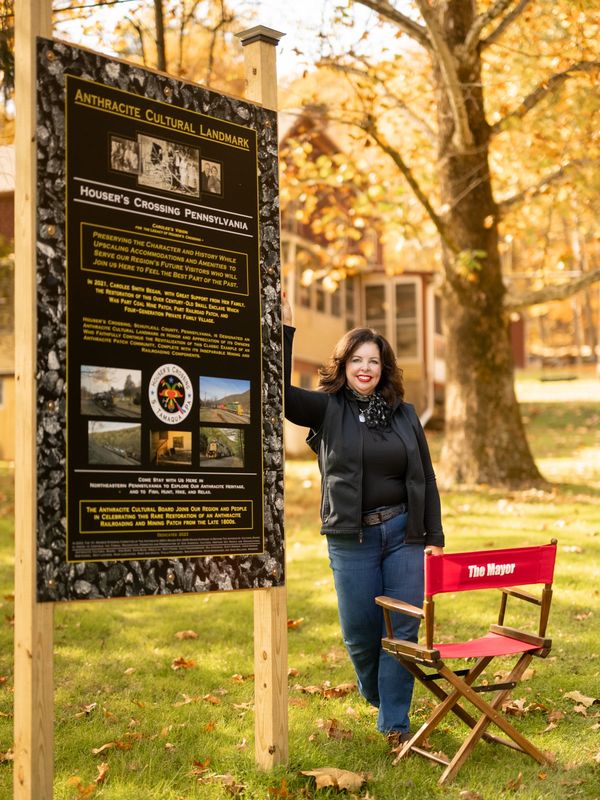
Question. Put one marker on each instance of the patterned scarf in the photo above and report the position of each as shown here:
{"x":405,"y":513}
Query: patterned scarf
{"x":377,"y":414}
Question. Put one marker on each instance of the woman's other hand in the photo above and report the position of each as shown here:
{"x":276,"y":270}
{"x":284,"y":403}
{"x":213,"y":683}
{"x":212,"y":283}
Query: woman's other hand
{"x":435,"y":551}
{"x":286,"y":310}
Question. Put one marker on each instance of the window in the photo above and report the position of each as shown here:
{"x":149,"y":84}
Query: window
{"x":392,"y":308}
{"x":437,"y":314}
{"x":406,"y":320}
{"x":336,"y":302}
{"x":350,"y":298}
{"x":320,"y":296}
{"x":376,"y":307}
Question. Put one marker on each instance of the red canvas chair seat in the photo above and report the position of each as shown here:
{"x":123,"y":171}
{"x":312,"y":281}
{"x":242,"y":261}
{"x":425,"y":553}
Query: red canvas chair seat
{"x":507,"y":570}
{"x":492,"y":644}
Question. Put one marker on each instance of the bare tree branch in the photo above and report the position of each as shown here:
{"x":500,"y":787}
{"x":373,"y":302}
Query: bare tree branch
{"x":139,"y":29}
{"x":515,"y":302}
{"x":370,"y":127}
{"x":543,"y":90}
{"x":364,"y":74}
{"x":505,"y":23}
{"x":463,"y":136}
{"x":541,"y":185}
{"x":409,"y":26}
{"x":481,"y":20}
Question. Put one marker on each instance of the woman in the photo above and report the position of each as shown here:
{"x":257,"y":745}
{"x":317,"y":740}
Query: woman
{"x":380,"y":506}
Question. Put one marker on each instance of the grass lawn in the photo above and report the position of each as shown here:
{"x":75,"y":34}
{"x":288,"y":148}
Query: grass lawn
{"x":167,"y":734}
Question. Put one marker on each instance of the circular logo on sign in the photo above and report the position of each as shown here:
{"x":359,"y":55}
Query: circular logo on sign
{"x":171,"y":394}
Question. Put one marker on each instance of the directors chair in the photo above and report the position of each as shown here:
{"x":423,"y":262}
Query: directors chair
{"x":505,"y":570}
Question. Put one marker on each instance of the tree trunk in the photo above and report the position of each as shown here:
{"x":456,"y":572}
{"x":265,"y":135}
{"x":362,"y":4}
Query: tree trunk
{"x":484,"y":440}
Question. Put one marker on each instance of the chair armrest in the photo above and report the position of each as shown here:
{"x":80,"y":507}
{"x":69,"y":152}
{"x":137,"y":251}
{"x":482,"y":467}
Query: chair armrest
{"x":521,"y":636}
{"x":515,"y":591}
{"x":400,"y":606}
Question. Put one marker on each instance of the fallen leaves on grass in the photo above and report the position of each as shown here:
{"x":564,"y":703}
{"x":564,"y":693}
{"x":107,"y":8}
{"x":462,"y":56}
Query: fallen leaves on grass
{"x":102,"y":772}
{"x":182,"y":663}
{"x":333,"y":729}
{"x":85,"y":790}
{"x":519,"y":707}
{"x":228,"y":782}
{"x":326,"y":690}
{"x":85,"y":711}
{"x":582,"y":699}
{"x":467,"y":794}
{"x":279,"y":791}
{"x":126,"y":743}
{"x":584,"y":615}
{"x":339,"y":779}
{"x":187,"y":699}
{"x":514,"y":783}
{"x":186,"y":635}
{"x":295,"y":623}
{"x":237,"y":678}
{"x":8,"y":755}
{"x":210,"y":698}
{"x":199,"y":767}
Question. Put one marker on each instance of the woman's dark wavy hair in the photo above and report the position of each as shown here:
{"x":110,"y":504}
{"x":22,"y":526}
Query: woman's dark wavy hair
{"x":333,"y":374}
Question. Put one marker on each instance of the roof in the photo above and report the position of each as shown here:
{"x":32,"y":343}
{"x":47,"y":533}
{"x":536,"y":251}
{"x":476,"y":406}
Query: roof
{"x":7,"y":168}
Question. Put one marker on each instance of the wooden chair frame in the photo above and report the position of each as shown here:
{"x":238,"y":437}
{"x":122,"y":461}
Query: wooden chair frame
{"x":418,"y":659}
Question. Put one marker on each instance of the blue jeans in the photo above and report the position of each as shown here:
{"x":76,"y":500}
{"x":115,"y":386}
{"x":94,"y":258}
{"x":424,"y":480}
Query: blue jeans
{"x":381,"y":564}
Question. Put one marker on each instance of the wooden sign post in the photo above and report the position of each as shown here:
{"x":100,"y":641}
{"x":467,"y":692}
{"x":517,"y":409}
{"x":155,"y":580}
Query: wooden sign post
{"x":34,"y":703}
{"x":270,"y":605}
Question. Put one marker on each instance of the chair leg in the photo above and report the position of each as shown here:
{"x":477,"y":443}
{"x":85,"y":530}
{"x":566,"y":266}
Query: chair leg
{"x":448,"y":704}
{"x":490,"y":715}
{"x":483,"y":723}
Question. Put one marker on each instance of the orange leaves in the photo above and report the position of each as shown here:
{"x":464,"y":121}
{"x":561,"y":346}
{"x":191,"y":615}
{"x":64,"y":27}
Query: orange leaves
{"x":294,"y":623}
{"x":186,"y":635}
{"x":126,"y":743}
{"x":182,"y":663}
{"x":85,"y":790}
{"x":326,"y":690}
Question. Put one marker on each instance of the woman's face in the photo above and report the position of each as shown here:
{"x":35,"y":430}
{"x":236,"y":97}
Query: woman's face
{"x":363,"y":368}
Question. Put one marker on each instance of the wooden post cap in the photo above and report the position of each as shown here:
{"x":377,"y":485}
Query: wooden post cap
{"x":260,"y":33}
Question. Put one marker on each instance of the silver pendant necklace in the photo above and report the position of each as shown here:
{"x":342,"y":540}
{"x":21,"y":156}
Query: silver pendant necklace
{"x":362,"y":412}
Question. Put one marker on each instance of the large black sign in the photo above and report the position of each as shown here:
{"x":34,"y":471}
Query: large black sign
{"x":159,"y":352}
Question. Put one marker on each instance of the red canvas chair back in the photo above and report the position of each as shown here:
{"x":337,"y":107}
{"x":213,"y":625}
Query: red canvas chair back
{"x":489,"y":569}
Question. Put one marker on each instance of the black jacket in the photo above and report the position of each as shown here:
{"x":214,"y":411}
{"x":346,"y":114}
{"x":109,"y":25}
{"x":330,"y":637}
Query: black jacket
{"x":336,"y":439}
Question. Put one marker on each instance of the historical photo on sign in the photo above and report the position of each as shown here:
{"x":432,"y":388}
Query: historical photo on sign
{"x":168,"y":165}
{"x":124,"y":155}
{"x":114,"y":443}
{"x":224,"y":400}
{"x":212,"y":179}
{"x":170,"y":448}
{"x":222,"y":447}
{"x":110,"y":392}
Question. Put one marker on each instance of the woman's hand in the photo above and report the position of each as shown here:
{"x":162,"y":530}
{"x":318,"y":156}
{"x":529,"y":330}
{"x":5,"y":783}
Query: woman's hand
{"x":435,"y":551}
{"x":286,"y":311}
